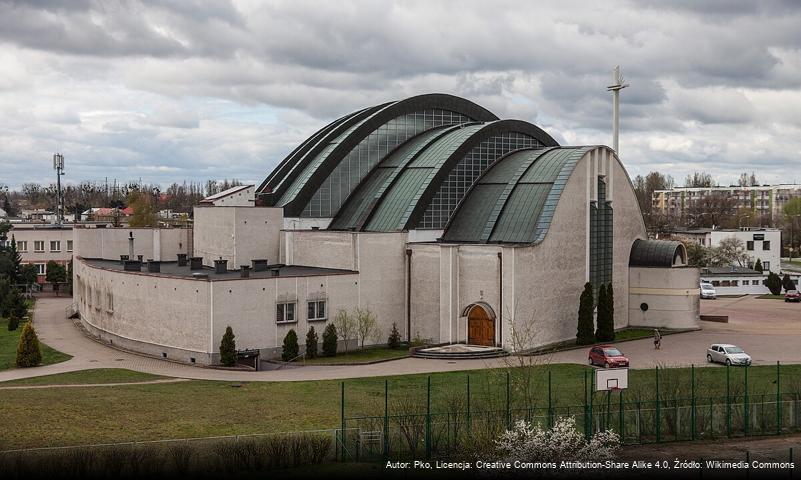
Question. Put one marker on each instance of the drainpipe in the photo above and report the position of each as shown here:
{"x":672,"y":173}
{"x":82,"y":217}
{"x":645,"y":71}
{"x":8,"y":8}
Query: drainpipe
{"x":409,"y":295}
{"x":500,"y":298}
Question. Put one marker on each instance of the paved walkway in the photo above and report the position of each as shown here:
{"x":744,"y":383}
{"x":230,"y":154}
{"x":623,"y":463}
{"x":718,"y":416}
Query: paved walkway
{"x":84,"y":385}
{"x":769,"y":330}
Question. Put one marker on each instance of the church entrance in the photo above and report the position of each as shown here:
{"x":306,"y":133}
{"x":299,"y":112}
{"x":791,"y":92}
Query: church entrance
{"x":480,"y":326}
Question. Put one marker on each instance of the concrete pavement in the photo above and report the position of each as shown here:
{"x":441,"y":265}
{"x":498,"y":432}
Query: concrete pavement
{"x":769,"y":330}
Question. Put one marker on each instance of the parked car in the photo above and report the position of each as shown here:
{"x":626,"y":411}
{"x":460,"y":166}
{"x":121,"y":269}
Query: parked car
{"x":792,"y":296}
{"x":607,"y":356}
{"x":708,"y":291}
{"x":728,"y":354}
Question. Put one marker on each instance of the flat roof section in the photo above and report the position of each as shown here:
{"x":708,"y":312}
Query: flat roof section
{"x":171,"y":269}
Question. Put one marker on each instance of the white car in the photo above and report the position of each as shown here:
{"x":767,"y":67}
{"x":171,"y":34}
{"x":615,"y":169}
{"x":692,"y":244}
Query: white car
{"x":728,"y":354}
{"x":708,"y":291}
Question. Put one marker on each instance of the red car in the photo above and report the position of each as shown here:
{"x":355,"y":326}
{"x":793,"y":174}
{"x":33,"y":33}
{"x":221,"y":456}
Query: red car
{"x":608,"y":356}
{"x":792,"y":296}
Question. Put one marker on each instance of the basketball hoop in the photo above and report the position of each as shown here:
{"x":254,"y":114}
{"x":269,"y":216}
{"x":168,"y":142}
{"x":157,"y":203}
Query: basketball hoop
{"x":611,"y":379}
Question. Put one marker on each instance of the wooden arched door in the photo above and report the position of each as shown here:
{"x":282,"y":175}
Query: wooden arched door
{"x":480,"y":327}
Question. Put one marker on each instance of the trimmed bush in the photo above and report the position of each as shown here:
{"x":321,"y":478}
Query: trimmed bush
{"x":394,"y":339}
{"x":758,"y":266}
{"x":605,"y":331}
{"x":311,"y":343}
{"x":584,"y":332}
{"x":330,"y":340}
{"x":13,"y":323}
{"x":788,"y":283}
{"x":774,"y":283}
{"x":228,"y":348}
{"x":290,"y":349}
{"x":29,"y":354}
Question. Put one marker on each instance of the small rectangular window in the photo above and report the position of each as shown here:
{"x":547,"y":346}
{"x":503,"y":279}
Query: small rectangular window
{"x":316,"y":310}
{"x":766,"y":245}
{"x":22,"y":246}
{"x":285,"y":312}
{"x":41,"y":269}
{"x":766,"y":266}
{"x":38,"y":246}
{"x":69,"y":245}
{"x":749,"y":245}
{"x":55,"y":246}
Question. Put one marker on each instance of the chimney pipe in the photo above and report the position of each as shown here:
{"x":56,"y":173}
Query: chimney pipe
{"x":220,"y":266}
{"x":244,"y":271}
{"x":181,"y":259}
{"x":196,"y":263}
{"x":153,"y":266}
{"x":130,"y":245}
{"x":123,"y":258}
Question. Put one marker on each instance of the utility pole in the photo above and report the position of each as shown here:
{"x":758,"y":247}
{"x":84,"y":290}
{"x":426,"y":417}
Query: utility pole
{"x":615,"y":88}
{"x":58,"y":166}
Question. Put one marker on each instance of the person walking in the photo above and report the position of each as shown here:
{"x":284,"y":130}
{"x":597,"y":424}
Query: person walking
{"x":657,"y":339}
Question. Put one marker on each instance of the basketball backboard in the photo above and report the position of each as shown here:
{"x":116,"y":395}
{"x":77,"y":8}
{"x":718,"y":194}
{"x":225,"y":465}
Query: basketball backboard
{"x":611,"y":379}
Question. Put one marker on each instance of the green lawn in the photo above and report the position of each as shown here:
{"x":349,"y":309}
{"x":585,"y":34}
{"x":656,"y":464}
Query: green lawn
{"x":98,"y":375}
{"x":68,"y":416}
{"x":8,"y":348}
{"x":366,"y":355}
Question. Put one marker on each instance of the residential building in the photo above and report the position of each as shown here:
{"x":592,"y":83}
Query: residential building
{"x":760,"y":243}
{"x":767,"y":200}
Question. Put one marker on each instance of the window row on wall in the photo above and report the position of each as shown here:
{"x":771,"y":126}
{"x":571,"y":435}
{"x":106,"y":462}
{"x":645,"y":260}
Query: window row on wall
{"x":286,"y":312}
{"x":39,"y":245}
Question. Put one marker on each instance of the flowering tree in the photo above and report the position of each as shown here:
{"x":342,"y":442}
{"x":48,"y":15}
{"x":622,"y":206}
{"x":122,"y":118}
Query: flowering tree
{"x":530,"y":443}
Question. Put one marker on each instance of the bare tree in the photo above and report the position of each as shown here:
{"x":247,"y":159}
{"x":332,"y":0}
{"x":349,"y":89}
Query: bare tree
{"x":730,"y":251}
{"x":365,"y":324}
{"x":346,"y":326}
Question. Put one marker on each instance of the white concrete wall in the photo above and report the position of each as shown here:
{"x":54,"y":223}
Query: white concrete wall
{"x":772,"y":255}
{"x":146,"y":313}
{"x":671,"y":294}
{"x":109,"y":243}
{"x":186,"y":318}
{"x":378,"y":257}
{"x":237,"y":234}
{"x":30,"y":234}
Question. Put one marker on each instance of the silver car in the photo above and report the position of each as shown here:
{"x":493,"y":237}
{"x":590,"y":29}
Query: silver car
{"x":728,"y":354}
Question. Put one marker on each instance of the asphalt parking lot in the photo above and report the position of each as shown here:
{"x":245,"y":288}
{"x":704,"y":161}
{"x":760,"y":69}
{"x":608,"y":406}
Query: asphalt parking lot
{"x":768,"y":330}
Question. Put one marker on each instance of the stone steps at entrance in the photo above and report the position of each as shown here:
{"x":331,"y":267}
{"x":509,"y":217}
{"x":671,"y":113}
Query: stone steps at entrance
{"x":460,"y":352}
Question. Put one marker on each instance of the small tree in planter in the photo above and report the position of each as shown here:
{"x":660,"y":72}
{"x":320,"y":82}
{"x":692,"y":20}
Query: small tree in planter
{"x":584,"y":333}
{"x":29,"y":354}
{"x":774,"y":283}
{"x":330,"y":340}
{"x":758,"y":266}
{"x":290,"y":349}
{"x":788,"y":283}
{"x":311,"y":343}
{"x":228,"y":348}
{"x":394,"y":339}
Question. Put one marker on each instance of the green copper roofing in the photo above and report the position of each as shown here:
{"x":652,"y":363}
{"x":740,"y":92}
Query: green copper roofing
{"x":514,"y":201}
{"x":399,"y":199}
{"x":359,"y":205}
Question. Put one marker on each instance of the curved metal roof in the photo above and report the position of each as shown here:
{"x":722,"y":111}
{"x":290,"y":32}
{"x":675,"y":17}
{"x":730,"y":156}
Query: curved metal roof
{"x":657,"y":253}
{"x":514,"y":200}
{"x":398,"y":190}
{"x":299,"y":176}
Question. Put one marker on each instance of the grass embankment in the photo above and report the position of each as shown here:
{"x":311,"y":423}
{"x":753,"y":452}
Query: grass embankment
{"x":87,"y":377}
{"x":70,"y":416}
{"x":361,"y":356}
{"x":8,"y":348}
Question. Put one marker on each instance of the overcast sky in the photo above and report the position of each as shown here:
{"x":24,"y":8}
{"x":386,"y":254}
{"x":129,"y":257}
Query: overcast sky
{"x":189,"y":90}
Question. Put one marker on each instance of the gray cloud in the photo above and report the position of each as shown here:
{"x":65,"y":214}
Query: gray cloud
{"x":172,"y":90}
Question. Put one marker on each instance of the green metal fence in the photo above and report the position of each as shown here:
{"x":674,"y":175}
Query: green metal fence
{"x":441,"y":417}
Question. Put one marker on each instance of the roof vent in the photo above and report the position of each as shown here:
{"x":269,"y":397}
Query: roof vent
{"x":275,"y":272}
{"x":259,"y":265}
{"x":195,"y":263}
{"x":123,"y":258}
{"x":200,"y":275}
{"x":132,"y":266}
{"x":244,"y":271}
{"x":181,"y":259}
{"x":220,"y":266}
{"x":153,"y":266}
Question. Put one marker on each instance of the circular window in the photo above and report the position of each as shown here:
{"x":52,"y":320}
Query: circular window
{"x":644,"y":307}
